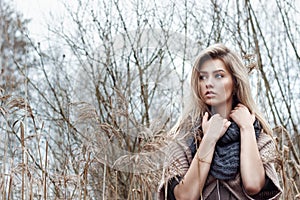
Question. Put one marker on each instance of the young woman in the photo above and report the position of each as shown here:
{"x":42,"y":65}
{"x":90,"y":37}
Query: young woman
{"x":222,"y":147}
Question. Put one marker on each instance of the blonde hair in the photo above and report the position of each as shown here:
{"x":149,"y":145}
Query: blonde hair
{"x":196,"y":107}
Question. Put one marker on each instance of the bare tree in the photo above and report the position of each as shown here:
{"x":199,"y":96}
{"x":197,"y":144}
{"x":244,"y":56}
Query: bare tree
{"x":106,"y":88}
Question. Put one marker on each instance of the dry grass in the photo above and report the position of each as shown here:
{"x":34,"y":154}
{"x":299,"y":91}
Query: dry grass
{"x":27,"y":173}
{"x":288,"y":163}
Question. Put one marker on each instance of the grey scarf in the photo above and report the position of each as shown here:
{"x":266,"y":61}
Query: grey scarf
{"x":226,"y":160}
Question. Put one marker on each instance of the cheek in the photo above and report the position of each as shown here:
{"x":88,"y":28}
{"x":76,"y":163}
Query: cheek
{"x":229,"y":86}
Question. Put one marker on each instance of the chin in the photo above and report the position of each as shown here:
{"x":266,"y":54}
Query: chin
{"x":211,"y":103}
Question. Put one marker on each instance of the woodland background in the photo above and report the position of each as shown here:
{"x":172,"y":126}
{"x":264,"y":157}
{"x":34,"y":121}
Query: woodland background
{"x":83,"y":108}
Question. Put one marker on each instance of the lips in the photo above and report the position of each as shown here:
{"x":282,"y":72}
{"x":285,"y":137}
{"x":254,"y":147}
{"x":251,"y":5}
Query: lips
{"x":210,"y":94}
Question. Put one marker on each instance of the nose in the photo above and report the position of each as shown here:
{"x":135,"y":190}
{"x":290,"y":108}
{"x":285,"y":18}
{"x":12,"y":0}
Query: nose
{"x":209,"y":83}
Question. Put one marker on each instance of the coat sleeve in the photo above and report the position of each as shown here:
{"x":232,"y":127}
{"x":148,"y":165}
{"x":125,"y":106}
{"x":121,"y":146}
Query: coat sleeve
{"x":267,"y":149}
{"x":177,"y":162}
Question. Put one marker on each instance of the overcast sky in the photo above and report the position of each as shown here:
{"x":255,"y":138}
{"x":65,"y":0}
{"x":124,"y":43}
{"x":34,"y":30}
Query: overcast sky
{"x":39,"y":11}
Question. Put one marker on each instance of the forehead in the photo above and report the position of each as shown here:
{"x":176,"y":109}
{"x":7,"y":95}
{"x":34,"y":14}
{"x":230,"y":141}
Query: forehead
{"x":212,"y":65}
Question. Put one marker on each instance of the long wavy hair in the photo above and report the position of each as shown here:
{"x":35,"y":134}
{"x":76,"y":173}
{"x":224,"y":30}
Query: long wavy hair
{"x":195,"y":107}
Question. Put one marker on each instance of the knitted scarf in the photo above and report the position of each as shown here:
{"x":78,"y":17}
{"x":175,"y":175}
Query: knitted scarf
{"x":226,"y":159}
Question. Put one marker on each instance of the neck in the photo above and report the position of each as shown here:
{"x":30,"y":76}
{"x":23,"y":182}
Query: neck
{"x":223,"y":110}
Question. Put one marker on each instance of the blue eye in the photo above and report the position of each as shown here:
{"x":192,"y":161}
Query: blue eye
{"x":219,"y":76}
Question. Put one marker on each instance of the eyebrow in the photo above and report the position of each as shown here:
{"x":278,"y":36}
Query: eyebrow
{"x":218,"y":70}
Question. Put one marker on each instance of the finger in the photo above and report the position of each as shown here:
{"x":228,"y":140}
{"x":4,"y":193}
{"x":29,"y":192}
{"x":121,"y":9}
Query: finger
{"x":241,"y":105}
{"x":227,"y":124}
{"x":232,"y":112}
{"x":205,"y":118}
{"x":237,"y":107}
{"x":253,"y":118}
{"x":244,"y":107}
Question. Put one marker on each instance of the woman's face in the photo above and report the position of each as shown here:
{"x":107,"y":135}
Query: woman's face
{"x":216,"y":84}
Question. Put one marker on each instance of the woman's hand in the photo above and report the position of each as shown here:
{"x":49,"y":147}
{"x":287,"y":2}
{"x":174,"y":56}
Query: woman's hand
{"x":242,"y":116}
{"x":215,"y":127}
{"x":251,"y":166}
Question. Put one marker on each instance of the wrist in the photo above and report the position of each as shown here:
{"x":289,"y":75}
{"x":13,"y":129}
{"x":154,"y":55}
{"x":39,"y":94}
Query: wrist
{"x":247,"y":132}
{"x":209,"y":140}
{"x":246,"y":127}
{"x":203,"y":159}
